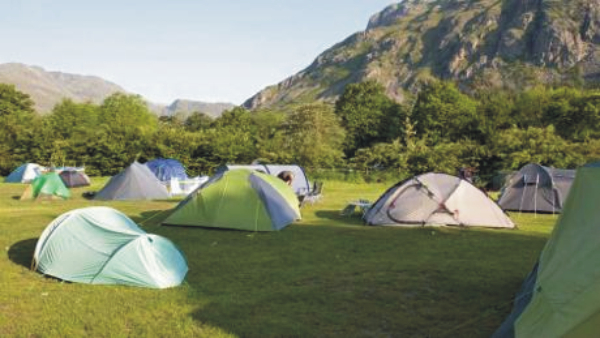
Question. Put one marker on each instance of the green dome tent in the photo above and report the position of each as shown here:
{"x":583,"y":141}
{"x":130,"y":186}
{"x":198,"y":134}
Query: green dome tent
{"x":100,"y":245}
{"x":49,"y":184}
{"x":239,"y":199}
{"x":561,"y":295}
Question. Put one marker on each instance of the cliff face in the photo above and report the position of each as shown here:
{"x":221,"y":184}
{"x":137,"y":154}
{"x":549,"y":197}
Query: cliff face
{"x":478,"y":43}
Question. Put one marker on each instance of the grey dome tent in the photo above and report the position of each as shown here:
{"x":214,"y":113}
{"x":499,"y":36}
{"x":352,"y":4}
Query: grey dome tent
{"x":436,"y":199}
{"x":74,"y":178}
{"x":536,"y":188}
{"x":300,"y":184}
{"x":136,"y":182}
{"x":100,"y":245}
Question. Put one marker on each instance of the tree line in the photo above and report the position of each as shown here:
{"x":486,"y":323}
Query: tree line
{"x":438,"y":129}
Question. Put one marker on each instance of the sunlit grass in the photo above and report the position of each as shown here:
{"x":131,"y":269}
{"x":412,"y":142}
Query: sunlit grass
{"x":327,"y":275}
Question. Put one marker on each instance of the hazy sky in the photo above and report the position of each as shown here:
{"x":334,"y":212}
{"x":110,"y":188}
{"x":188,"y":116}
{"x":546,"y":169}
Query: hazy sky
{"x":191,"y":49}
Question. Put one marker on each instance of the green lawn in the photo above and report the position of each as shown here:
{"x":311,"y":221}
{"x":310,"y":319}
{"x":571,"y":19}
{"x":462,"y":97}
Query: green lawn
{"x":327,"y":275}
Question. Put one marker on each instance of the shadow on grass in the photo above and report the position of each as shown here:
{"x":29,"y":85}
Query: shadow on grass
{"x":21,"y":253}
{"x":354,"y":219}
{"x":151,"y":218}
{"x":334,"y":282}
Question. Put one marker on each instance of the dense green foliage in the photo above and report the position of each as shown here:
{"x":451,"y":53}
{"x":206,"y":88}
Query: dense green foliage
{"x":441,"y":129}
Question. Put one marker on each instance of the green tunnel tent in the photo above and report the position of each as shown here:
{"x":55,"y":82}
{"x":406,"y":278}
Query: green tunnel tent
{"x":46,"y":185}
{"x":100,"y":245}
{"x":239,"y":199}
{"x":561,"y":295}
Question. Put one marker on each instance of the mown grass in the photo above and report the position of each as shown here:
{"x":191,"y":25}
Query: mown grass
{"x":325,"y":276}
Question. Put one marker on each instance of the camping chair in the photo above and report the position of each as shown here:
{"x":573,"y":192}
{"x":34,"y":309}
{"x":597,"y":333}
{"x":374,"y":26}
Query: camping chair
{"x":175,"y":188}
{"x":315,"y":194}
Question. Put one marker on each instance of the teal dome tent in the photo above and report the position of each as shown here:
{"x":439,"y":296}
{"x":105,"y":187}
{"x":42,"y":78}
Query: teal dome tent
{"x":100,"y":245}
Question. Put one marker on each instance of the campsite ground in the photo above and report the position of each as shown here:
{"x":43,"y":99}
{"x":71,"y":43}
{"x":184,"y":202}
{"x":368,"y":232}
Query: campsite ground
{"x":327,"y":275}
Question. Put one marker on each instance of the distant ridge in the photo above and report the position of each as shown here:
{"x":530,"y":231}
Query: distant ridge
{"x":188,"y":106}
{"x":47,"y":88}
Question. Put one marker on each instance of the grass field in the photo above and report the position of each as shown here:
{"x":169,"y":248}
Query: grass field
{"x":327,"y":275}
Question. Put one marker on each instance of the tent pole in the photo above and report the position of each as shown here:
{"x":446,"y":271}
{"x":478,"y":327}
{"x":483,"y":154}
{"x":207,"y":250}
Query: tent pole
{"x":537,"y":178}
{"x":523,"y":194}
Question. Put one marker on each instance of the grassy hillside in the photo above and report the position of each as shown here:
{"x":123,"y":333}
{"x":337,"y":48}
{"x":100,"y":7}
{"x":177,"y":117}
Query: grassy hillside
{"x":326,"y":276}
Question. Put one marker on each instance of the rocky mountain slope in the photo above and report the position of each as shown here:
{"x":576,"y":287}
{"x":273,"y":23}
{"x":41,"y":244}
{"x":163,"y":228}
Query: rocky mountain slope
{"x":478,"y":43}
{"x":49,"y":88}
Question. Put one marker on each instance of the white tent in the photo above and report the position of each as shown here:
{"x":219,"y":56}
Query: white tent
{"x":25,"y":173}
{"x":300,"y":184}
{"x":436,"y":199}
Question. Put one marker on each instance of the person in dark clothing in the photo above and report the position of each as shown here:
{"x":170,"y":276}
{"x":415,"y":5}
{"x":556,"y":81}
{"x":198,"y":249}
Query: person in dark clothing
{"x":286,"y":176}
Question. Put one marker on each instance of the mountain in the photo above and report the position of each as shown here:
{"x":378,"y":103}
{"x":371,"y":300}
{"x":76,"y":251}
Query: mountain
{"x":187,"y":107}
{"x":48,"y":88}
{"x":478,"y":43}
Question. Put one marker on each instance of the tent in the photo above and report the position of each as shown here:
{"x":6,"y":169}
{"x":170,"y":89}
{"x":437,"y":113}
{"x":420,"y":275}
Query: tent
{"x":75,"y":179}
{"x":136,"y":182}
{"x":536,"y":188}
{"x":300,"y":183}
{"x":436,"y":199}
{"x":167,"y":168}
{"x":46,"y":185}
{"x":100,"y":245}
{"x":24,"y":173}
{"x":239,"y":199}
{"x":561,"y":295}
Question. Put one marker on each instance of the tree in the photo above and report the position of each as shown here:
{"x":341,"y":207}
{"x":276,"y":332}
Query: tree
{"x":127,"y":114}
{"x":444,"y":113}
{"x":313,"y":135}
{"x":368,"y":115}
{"x":16,"y":118}
{"x":198,"y":121}
{"x":69,"y":119}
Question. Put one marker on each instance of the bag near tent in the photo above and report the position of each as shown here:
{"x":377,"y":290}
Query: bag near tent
{"x":561,"y":295}
{"x":239,"y":199}
{"x":47,"y":185}
{"x":436,"y":199}
{"x":136,"y":182}
{"x":535,"y":188}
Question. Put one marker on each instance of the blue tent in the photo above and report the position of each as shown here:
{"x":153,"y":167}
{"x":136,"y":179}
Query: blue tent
{"x":24,"y":174}
{"x":166,"y":168}
{"x":300,"y":184}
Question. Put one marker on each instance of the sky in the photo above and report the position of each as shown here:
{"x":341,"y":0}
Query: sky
{"x":212,"y":51}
